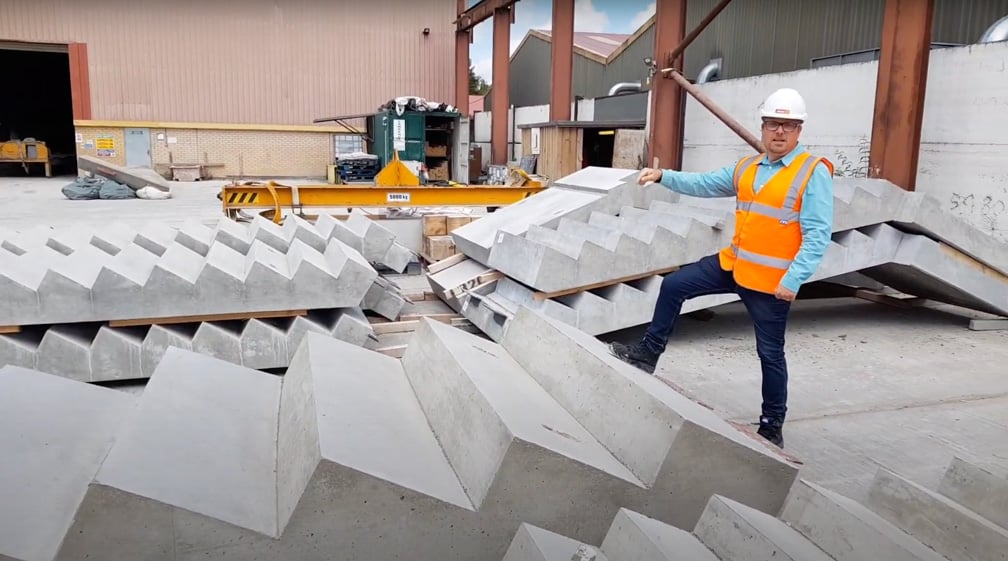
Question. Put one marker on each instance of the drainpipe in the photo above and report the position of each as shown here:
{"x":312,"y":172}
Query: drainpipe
{"x":997,"y":32}
{"x":711,"y":71}
{"x":625,"y":87}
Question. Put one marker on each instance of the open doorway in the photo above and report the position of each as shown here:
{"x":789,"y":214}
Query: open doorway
{"x":37,"y":104}
{"x":597,"y":147}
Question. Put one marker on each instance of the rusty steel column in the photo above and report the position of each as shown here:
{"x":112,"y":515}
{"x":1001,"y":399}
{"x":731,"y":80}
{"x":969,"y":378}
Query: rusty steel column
{"x":501,"y":86}
{"x":462,"y":39}
{"x":899,"y":93}
{"x":562,"y":61}
{"x":667,"y":98}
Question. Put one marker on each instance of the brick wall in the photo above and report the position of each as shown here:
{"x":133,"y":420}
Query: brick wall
{"x":249,"y":153}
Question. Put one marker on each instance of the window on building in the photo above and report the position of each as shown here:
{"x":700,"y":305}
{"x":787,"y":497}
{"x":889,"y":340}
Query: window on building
{"x":347,"y":143}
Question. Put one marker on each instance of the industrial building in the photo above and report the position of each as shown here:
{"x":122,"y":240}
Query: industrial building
{"x":778,"y":37}
{"x":234,"y":84}
{"x":238,"y":368}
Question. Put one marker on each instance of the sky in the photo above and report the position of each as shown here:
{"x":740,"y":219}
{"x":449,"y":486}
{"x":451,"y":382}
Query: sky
{"x":600,"y":16}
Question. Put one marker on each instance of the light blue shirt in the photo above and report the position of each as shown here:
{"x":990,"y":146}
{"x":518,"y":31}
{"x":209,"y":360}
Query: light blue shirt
{"x":815,"y":218}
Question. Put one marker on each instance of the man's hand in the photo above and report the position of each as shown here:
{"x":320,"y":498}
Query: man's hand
{"x":649,"y":175}
{"x":783,"y":293}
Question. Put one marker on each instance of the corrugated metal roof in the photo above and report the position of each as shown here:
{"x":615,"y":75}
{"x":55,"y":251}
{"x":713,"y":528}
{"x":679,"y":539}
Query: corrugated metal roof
{"x":602,"y":44}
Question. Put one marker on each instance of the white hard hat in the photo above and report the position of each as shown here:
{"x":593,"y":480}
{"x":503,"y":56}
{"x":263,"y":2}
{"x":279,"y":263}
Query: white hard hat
{"x":784,"y":103}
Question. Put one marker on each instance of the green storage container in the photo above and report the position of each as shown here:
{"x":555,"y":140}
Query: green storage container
{"x":415,"y":130}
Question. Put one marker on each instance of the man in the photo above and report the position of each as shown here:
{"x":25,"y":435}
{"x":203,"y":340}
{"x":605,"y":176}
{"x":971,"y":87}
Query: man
{"x":783,"y":224}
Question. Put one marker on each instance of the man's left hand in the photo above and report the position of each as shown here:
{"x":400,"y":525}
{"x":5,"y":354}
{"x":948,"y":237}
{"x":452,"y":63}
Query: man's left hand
{"x":783,"y":293}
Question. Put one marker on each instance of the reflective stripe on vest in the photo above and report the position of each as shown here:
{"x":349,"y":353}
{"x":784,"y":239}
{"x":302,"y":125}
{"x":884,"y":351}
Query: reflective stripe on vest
{"x":760,"y":259}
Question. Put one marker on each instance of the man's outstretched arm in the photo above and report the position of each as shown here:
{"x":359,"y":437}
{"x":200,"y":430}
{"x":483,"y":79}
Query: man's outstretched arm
{"x":716,"y":183}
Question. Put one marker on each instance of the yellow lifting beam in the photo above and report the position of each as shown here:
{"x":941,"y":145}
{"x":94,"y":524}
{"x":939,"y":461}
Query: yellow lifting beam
{"x":272,"y":195}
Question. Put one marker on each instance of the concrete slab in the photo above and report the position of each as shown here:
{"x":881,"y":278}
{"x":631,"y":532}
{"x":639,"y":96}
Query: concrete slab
{"x":647,"y":425}
{"x":384,"y":298}
{"x":734,"y":531}
{"x":135,"y":178}
{"x":54,"y":434}
{"x":65,"y":350}
{"x":977,"y":489}
{"x":929,"y":517}
{"x":485,"y":408}
{"x":116,"y":353}
{"x":203,"y":438}
{"x":535,"y":544}
{"x":846,"y":529}
{"x":635,"y":537}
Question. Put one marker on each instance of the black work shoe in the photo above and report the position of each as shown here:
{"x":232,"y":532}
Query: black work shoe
{"x":636,"y":355}
{"x":770,"y":429}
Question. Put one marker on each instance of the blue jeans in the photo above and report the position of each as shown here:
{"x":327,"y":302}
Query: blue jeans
{"x":769,"y":317}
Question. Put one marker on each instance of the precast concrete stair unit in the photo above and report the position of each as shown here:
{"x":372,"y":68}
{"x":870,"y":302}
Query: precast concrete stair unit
{"x":54,"y":276}
{"x":599,"y":267}
{"x":900,"y":521}
{"x":911,"y":263}
{"x":93,"y":352}
{"x":356,"y":455}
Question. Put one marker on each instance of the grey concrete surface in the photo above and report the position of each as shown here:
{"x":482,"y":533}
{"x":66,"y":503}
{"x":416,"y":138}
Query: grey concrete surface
{"x":535,"y":544}
{"x":135,"y":178}
{"x":734,"y":531}
{"x":928,"y":516}
{"x":54,"y":435}
{"x":635,"y":537}
{"x":92,"y":285}
{"x":977,"y":489}
{"x":623,"y":305}
{"x":678,"y":448}
{"x":484,"y":408}
{"x":98,"y":353}
{"x":848,"y":530}
{"x":910,"y":388}
{"x":575,"y":196}
{"x":203,"y":438}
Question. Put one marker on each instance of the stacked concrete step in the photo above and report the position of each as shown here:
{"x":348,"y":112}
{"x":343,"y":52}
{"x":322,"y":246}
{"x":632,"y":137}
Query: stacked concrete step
{"x":607,"y":247}
{"x":92,"y":352}
{"x":622,"y":305}
{"x":356,"y":455}
{"x":901,"y":522}
{"x":590,"y":245}
{"x":108,"y":275}
{"x":575,"y":196}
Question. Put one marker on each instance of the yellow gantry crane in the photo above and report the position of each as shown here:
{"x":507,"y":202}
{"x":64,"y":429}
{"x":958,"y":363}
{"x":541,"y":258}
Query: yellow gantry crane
{"x":395,"y":186}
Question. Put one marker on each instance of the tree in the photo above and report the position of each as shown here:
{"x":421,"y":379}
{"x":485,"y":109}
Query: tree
{"x":477,"y":85}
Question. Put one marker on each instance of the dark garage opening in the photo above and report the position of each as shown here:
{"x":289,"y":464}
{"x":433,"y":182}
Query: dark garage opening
{"x":597,"y":147}
{"x":35,"y":103}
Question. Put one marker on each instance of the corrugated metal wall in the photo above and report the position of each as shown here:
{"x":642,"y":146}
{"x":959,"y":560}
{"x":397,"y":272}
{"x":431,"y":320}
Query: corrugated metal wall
{"x":533,"y":59}
{"x":246,"y":61}
{"x":752,"y":38}
{"x":772,"y":36}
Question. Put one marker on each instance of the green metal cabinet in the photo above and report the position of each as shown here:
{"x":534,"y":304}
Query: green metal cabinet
{"x":414,"y":131}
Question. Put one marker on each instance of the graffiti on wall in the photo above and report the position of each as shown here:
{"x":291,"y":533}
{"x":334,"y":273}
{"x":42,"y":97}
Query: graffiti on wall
{"x":986,"y":211}
{"x":858,"y":167}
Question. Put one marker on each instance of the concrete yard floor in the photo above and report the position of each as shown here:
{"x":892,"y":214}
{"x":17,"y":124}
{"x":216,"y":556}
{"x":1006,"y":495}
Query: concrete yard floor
{"x":33,"y":201}
{"x":869,"y":385}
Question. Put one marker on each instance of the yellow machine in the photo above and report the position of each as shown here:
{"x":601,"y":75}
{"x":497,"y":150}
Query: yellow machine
{"x":395,"y":186}
{"x":25,"y":152}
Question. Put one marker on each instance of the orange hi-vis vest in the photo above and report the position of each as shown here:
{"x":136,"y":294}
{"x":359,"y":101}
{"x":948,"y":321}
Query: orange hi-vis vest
{"x":767,"y":232}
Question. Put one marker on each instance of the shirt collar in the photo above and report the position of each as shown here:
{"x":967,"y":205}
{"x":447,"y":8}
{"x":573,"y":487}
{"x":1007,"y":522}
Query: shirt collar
{"x":787,"y":159}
